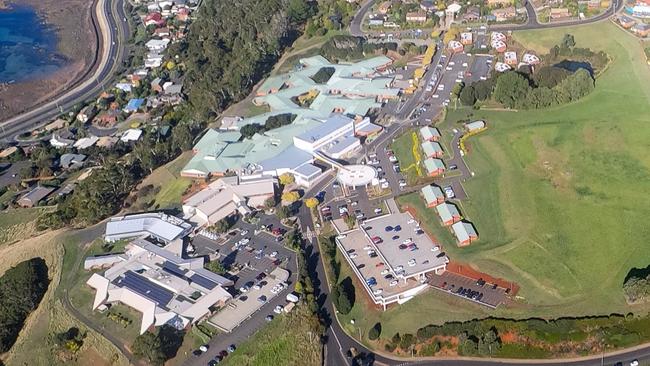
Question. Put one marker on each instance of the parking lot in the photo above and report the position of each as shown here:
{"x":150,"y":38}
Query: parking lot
{"x":403,"y":246}
{"x":258,"y":296}
{"x":372,"y":266}
{"x":483,"y":293}
{"x":480,"y":67}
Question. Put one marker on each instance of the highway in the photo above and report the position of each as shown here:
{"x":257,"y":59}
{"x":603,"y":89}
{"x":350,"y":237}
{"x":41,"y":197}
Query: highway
{"x":111,"y":28}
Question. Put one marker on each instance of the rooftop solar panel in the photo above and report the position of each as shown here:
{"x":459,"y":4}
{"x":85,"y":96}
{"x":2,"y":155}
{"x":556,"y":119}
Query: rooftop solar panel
{"x":144,"y":287}
{"x":202,"y":281}
{"x":174,"y":269}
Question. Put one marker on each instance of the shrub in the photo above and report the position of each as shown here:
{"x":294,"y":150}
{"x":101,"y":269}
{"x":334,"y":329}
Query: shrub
{"x":374,"y":332}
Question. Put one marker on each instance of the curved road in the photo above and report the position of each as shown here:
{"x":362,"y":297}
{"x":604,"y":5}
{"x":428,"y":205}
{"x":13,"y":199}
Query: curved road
{"x":110,"y":20}
{"x":531,"y":23}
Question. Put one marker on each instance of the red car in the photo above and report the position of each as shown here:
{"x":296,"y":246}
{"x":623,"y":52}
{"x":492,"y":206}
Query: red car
{"x":376,"y":240}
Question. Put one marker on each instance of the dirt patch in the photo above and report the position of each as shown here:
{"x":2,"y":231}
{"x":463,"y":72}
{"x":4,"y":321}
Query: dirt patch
{"x":552,"y":165}
{"x":72,"y":22}
{"x":467,"y":271}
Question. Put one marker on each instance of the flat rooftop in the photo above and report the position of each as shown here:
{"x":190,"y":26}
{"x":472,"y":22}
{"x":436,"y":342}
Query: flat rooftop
{"x":372,"y":267}
{"x":408,"y":231}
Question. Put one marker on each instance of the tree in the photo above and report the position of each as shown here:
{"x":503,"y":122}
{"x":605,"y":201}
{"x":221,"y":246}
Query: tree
{"x":148,"y":347}
{"x":286,"y":179}
{"x":350,"y":220}
{"x":456,"y":90}
{"x":270,"y":202}
{"x":222,"y":225}
{"x":374,"y":332}
{"x":283,"y":212}
{"x":311,"y":202}
{"x":345,"y":298}
{"x":291,"y":196}
{"x":451,"y":35}
{"x":483,"y":89}
{"x":568,"y":41}
{"x":550,"y":76}
{"x":160,"y":347}
{"x":467,"y":95}
{"x":299,"y":10}
{"x":22,"y":288}
{"x":510,"y":88}
{"x":250,"y":130}
{"x":216,"y":267}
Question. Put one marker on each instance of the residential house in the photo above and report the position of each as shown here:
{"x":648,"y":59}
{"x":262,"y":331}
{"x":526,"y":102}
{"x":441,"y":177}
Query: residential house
{"x":455,"y":46}
{"x":626,"y":22}
{"x":86,"y":142}
{"x":499,"y":46}
{"x":433,"y":195}
{"x":33,"y":197}
{"x":60,"y":142}
{"x":448,"y":213}
{"x":530,"y":59}
{"x":161,"y":32}
{"x":432,"y":149}
{"x":416,"y":17}
{"x":154,"y":19}
{"x":510,"y":58}
{"x":72,"y":161}
{"x":429,"y":133}
{"x":472,"y":14}
{"x":504,"y":14}
{"x":464,"y":233}
{"x":56,"y":125}
{"x":466,"y":38}
{"x":86,"y":113}
{"x":107,"y":118}
{"x":8,"y":151}
{"x":641,"y":29}
{"x":434,"y":167}
{"x":500,"y":3}
{"x":560,"y":13}
{"x":170,"y":88}
{"x":501,"y":67}
{"x":157,"y":45}
{"x":132,"y":134}
{"x":133,"y":105}
{"x":157,"y":85}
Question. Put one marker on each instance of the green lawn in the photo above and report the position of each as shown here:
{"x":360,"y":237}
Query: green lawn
{"x":284,"y":341}
{"x":560,"y":196}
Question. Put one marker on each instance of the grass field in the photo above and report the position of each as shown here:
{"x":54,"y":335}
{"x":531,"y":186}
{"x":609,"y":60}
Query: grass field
{"x":18,"y":224}
{"x":560,"y":196}
{"x":284,"y":341}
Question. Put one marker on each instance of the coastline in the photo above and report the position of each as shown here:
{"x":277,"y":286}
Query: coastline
{"x":71,"y":21}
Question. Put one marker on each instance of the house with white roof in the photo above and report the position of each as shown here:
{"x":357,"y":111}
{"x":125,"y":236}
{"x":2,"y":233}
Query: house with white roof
{"x":464,"y":233}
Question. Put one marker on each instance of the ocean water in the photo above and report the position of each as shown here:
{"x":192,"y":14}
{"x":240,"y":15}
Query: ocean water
{"x":28,"y":46}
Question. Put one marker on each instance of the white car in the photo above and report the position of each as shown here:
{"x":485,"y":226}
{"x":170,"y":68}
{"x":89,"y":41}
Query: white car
{"x":378,"y":210}
{"x":393,"y":283}
{"x":244,"y":241}
{"x":203,"y":348}
{"x":402,"y":184}
{"x":411,"y":263}
{"x":435,"y":248}
{"x":278,"y":309}
{"x":483,"y":78}
{"x":273,"y":255}
{"x":377,"y":291}
{"x":392,"y":158}
{"x":449,"y":68}
{"x":353,"y":255}
{"x":367,"y":247}
{"x":464,"y":64}
{"x":257,"y":287}
{"x":410,"y":221}
{"x":243,"y":232}
{"x":634,"y":363}
{"x":441,"y":87}
{"x":449,"y":192}
{"x":354,"y":203}
{"x":399,"y":268}
{"x":429,"y":88}
{"x":452,"y":63}
{"x":243,"y":289}
{"x":459,"y":81}
{"x":384,"y":272}
{"x":435,"y":96}
{"x":406,"y":241}
{"x":341,"y":236}
{"x":385,"y":185}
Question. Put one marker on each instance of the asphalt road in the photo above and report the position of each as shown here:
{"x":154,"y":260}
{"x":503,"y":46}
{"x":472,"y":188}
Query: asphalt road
{"x":112,"y":30}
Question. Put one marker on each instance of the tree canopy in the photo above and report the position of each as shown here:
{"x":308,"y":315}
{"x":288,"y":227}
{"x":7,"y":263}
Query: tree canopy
{"x":21,"y":287}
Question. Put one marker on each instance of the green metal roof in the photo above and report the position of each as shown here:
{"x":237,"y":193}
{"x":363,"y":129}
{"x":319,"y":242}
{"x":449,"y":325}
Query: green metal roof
{"x":432,"y":193}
